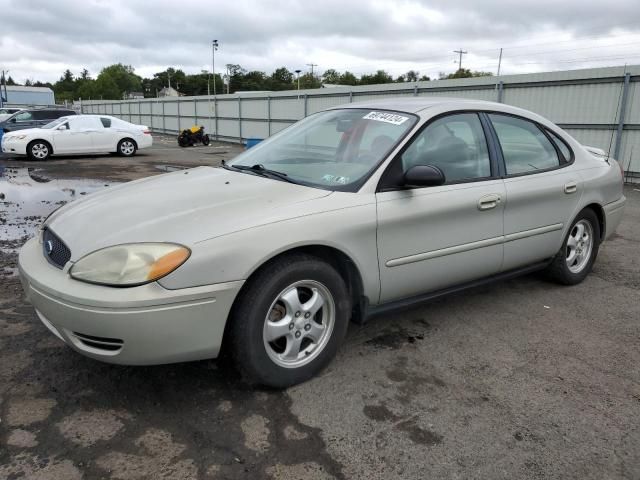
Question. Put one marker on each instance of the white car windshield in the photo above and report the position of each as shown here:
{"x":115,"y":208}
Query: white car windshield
{"x":334,"y":150}
{"x":55,"y":123}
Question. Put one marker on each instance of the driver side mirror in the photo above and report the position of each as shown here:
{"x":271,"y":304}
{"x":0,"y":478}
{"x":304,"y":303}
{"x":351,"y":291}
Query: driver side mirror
{"x":424,"y":176}
{"x":64,"y":126}
{"x":13,"y":120}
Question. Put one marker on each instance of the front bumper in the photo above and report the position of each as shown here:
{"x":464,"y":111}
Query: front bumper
{"x":13,"y":145}
{"x":142,"y":325}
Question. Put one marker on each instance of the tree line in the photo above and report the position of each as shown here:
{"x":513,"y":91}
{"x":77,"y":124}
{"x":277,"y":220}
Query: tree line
{"x":118,"y":81}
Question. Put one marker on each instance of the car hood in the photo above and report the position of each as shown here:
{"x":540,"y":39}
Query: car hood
{"x":184,"y":207}
{"x":27,"y":131}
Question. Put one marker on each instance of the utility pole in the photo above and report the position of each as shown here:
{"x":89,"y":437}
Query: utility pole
{"x":460,"y":53}
{"x":169,"y":78}
{"x":499,"y":62}
{"x":312,"y":65}
{"x":214,"y":47}
{"x":2,"y":82}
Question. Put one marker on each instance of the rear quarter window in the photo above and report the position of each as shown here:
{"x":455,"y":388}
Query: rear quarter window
{"x":562,"y":146}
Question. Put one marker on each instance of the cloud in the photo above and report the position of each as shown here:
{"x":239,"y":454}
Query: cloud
{"x":39,"y":38}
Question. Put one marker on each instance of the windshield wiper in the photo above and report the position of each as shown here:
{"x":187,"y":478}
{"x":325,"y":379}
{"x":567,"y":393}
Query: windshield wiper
{"x":261,"y":170}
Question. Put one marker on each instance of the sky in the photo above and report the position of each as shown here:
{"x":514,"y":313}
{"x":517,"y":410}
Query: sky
{"x":39,"y":39}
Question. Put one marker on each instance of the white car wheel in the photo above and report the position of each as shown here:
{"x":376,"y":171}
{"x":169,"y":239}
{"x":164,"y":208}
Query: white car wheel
{"x":127,"y":147}
{"x":39,"y":150}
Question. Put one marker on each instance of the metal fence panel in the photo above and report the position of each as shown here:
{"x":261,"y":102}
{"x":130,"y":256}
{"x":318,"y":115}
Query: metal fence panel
{"x":587,"y":103}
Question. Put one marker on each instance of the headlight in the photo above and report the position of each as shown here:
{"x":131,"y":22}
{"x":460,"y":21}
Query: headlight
{"x":18,"y":137}
{"x":130,"y":264}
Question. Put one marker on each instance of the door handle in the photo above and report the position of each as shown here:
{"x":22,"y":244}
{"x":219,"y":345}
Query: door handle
{"x":489,"y":201}
{"x":570,"y":187}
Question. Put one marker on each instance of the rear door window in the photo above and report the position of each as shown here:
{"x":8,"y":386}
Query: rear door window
{"x":525,"y":148}
{"x":44,"y":115}
{"x":106,"y":122}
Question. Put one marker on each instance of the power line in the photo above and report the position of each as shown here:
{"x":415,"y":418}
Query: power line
{"x":437,"y":59}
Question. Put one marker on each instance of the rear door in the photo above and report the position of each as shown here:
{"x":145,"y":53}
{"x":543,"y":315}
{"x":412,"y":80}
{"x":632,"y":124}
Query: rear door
{"x":42,"y":117}
{"x":430,"y":238}
{"x":105,"y":138}
{"x":542,"y":189}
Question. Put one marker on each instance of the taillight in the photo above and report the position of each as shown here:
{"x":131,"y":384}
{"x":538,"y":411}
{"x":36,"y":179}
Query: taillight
{"x":147,"y":132}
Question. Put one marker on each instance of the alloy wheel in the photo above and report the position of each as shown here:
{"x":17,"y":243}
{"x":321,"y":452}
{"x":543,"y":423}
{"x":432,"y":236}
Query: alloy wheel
{"x":127,"y":147}
{"x":579,"y":246}
{"x":39,"y":151}
{"x":299,"y":323}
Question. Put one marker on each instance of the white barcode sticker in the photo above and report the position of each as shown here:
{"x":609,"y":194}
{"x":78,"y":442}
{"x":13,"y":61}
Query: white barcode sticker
{"x":386,"y":117}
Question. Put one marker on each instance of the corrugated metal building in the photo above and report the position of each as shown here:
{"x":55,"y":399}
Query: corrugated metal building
{"x":23,"y":96}
{"x":598,"y":106}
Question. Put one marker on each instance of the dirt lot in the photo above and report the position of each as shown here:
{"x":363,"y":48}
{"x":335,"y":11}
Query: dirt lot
{"x":521,"y":379}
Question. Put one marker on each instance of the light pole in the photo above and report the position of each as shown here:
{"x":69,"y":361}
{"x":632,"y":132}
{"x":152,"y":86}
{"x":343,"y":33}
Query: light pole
{"x":298,"y":75}
{"x":214,"y":47}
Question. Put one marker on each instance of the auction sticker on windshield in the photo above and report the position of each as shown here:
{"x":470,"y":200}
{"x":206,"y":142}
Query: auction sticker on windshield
{"x":387,"y":117}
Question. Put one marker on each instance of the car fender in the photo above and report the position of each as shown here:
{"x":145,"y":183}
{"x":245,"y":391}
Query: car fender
{"x":351,"y":230}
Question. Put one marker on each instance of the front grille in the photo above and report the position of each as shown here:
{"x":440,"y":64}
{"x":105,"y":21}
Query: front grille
{"x":54,"y":249}
{"x":99,"y":343}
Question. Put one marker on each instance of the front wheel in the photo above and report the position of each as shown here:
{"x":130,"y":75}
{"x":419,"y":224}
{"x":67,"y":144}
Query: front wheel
{"x":205,"y":140}
{"x":289,"y":321}
{"x":579,"y":250}
{"x":127,"y":147}
{"x":39,"y":150}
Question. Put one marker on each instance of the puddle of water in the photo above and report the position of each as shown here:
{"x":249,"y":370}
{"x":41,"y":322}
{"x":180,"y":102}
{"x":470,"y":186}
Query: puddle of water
{"x":27,"y":197}
{"x":170,"y":168}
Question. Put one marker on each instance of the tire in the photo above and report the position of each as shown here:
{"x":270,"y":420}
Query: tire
{"x":39,"y":150}
{"x":127,"y":147}
{"x":275,"y":344}
{"x":183,"y":141}
{"x":579,"y":250}
{"x":205,"y":140}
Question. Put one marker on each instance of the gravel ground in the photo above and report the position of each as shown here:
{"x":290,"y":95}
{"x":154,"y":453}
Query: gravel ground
{"x":520,"y":379}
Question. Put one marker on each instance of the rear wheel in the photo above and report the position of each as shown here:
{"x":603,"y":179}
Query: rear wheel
{"x":289,"y":321}
{"x":579,"y":250}
{"x":127,"y":147}
{"x":39,"y":150}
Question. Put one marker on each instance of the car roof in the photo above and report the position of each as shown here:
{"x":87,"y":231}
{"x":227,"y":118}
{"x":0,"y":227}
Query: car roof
{"x":418,"y":105}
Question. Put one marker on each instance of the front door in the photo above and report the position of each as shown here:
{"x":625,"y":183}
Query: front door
{"x":21,"y":121}
{"x":76,"y":138}
{"x":431,"y":238}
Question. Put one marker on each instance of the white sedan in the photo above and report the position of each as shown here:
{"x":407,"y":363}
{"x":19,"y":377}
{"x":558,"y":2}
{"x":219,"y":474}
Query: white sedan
{"x":78,"y":134}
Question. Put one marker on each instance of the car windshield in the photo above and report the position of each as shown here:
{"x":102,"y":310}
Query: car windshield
{"x":55,"y":123}
{"x":333,"y":150}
